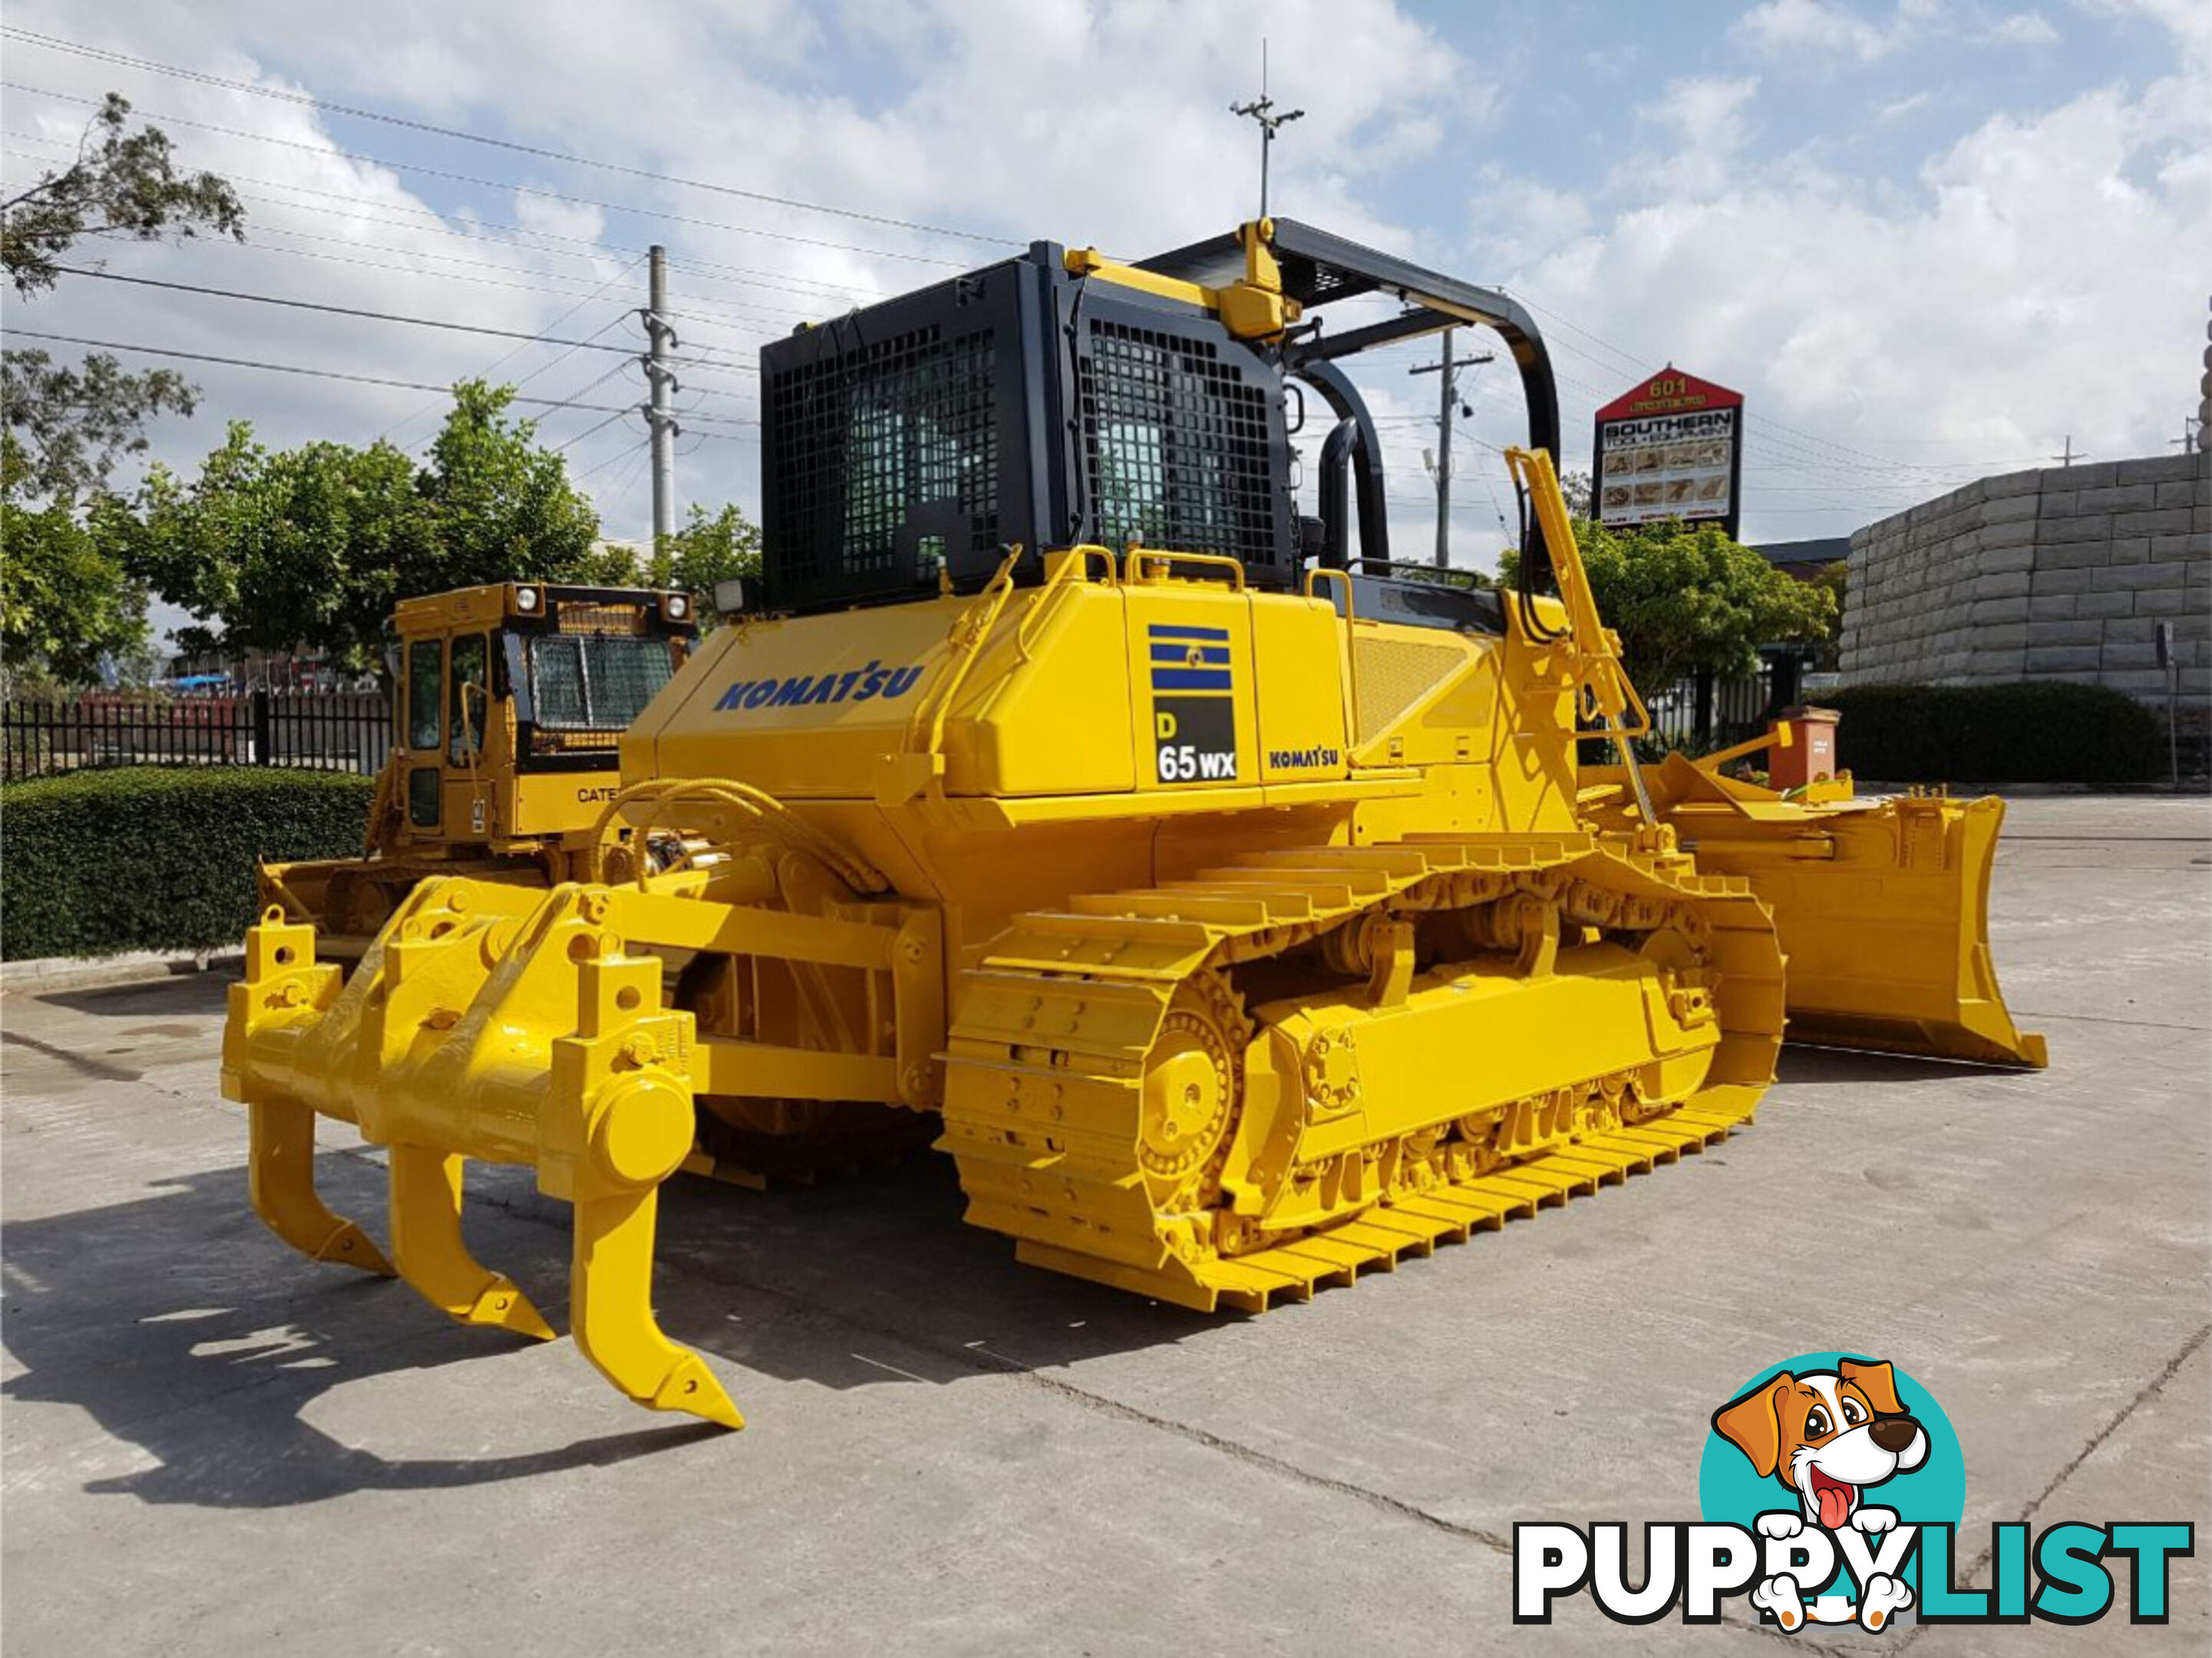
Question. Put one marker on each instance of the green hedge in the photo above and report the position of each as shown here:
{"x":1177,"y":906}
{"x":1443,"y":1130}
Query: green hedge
{"x":158,"y":857}
{"x":2033,"y":731}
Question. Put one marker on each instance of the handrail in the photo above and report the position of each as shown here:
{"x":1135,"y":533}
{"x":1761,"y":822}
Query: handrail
{"x":1139,"y":556}
{"x":1079,"y":557}
{"x":1068,"y":567}
{"x":925,"y":732}
{"x":1323,"y":573}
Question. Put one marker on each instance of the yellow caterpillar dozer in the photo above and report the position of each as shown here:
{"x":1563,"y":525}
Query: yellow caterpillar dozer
{"x":1236,"y":904}
{"x":509,"y":702}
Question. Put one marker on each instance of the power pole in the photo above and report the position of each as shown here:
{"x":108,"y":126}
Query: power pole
{"x":660,"y":378}
{"x":1261,"y":109}
{"x":1447,"y":373}
{"x":2071,"y":454}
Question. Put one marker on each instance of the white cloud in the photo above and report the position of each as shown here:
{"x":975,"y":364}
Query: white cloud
{"x":979,"y":113}
{"x":1704,"y":118}
{"x":1811,"y":31}
{"x":2189,"y":22}
{"x":1819,"y":27}
{"x":2038,"y":281}
{"x":1530,"y":219}
{"x":2021,"y":29}
{"x":549,"y":216}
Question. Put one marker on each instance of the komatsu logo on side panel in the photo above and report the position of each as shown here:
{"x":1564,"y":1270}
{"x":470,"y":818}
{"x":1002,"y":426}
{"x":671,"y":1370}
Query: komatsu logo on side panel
{"x":862,"y":684}
{"x":1312,"y":759}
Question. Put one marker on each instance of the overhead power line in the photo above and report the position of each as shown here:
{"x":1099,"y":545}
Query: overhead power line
{"x":341,"y":310}
{"x":333,"y":373}
{"x":354,"y":209}
{"x":779,"y":318}
{"x":595,"y":428}
{"x":326,"y":150}
{"x":1869,"y":462}
{"x":508,"y":356}
{"x":102,"y":54}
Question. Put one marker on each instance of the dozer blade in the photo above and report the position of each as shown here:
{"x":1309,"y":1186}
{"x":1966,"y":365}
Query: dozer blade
{"x":497,"y":1024}
{"x":1882,"y":906}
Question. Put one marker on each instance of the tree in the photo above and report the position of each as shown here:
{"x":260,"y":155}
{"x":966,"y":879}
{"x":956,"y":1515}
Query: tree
{"x":67,"y":428}
{"x":711,"y":547}
{"x":122,"y":184}
{"x":1576,"y":487}
{"x":300,"y":547}
{"x":503,"y":508}
{"x":1685,"y":597}
{"x":1835,"y":579}
{"x":312,"y":547}
{"x":68,"y":613}
{"x":68,"y":609}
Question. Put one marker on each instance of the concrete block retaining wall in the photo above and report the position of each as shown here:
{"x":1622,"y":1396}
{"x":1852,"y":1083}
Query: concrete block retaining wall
{"x":2060,"y":574}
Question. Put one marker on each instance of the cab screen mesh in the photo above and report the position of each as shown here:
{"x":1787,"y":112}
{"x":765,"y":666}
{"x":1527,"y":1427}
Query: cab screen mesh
{"x":1176,"y":444}
{"x":886,"y":462}
{"x":594,"y":681}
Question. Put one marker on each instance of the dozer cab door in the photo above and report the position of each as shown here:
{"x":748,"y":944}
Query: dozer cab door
{"x":445,"y":713}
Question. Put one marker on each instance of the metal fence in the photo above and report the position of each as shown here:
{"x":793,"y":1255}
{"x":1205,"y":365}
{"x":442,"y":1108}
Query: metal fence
{"x":1700,"y":712}
{"x":323,"y":731}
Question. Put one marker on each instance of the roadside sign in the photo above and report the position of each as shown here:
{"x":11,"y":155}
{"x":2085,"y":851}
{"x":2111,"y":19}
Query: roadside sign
{"x":1672,"y":446}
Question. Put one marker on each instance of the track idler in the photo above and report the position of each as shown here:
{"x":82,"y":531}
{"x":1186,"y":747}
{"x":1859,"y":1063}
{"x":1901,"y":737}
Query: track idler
{"x":493,"y":1023}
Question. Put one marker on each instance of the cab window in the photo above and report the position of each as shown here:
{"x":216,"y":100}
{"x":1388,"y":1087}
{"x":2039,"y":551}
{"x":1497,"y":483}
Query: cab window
{"x":426,"y":685}
{"x":464,"y":726}
{"x":595,"y":682}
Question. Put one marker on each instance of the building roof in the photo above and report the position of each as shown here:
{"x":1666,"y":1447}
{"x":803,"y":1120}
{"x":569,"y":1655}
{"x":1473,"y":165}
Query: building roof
{"x":1821,"y":549}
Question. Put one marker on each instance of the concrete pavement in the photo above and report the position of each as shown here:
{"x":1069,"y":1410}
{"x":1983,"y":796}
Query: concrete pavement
{"x":211,"y":1446}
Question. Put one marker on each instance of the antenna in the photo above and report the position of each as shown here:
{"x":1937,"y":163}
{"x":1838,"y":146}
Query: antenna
{"x":1262,"y":110}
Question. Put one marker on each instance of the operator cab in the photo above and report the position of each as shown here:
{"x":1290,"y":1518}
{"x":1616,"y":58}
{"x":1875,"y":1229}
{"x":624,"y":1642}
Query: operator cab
{"x":512,"y":699}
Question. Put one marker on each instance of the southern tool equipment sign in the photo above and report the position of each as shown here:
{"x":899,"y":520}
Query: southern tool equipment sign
{"x":1673,"y":447}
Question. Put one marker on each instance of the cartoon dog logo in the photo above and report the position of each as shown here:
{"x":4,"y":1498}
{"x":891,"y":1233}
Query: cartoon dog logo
{"x":1827,"y":1436}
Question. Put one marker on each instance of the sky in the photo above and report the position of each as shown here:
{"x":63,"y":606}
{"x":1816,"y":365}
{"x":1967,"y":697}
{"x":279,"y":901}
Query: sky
{"x":1928,"y":239}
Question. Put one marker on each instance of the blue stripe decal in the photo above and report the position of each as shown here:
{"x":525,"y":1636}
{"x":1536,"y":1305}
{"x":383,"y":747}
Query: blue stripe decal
{"x":1179,"y":654}
{"x":1211,"y":636}
{"x":1191,"y":679}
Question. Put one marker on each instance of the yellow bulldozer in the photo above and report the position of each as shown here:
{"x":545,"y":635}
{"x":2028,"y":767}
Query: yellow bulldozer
{"x":1235,"y":905}
{"x":508,"y":702}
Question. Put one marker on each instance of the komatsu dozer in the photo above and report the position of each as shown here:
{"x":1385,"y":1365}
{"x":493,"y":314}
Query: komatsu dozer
{"x":508,"y":702}
{"x":1236,"y":904}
